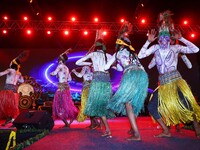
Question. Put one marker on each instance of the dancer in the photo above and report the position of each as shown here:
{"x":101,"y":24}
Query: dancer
{"x":63,"y":106}
{"x":130,"y":96}
{"x":86,"y":73}
{"x":9,"y":98}
{"x":100,"y":89}
{"x":173,"y":102}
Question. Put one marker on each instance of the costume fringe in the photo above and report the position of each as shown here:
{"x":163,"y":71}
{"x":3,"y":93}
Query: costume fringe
{"x":171,"y":108}
{"x":9,"y":104}
{"x":99,"y":95}
{"x":84,"y":96}
{"x":133,"y":89}
{"x":63,"y":106}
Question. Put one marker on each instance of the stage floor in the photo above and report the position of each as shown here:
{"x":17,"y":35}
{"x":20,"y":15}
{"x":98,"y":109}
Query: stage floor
{"x":78,"y":137}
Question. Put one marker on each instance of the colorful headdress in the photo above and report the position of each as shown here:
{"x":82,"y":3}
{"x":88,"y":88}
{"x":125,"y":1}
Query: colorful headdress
{"x":99,"y":42}
{"x":123,"y":35}
{"x":165,"y":23}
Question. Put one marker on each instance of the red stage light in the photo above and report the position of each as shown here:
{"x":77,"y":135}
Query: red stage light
{"x":28,"y":32}
{"x":85,"y":32}
{"x":73,"y":19}
{"x":192,"y":35}
{"x":5,"y":18}
{"x":66,"y":32}
{"x":96,"y":19}
{"x":25,"y":18}
{"x":48,"y":32}
{"x":143,"y":21}
{"x":185,"y":22}
{"x":122,"y":20}
{"x":104,"y":33}
{"x":4,"y":31}
{"x":49,"y":18}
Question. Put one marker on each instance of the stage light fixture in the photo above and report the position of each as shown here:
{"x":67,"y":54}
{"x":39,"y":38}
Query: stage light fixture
{"x":104,"y":33}
{"x":192,"y":35}
{"x":49,"y":18}
{"x":66,"y":32}
{"x":143,"y":21}
{"x":122,"y":20}
{"x":5,"y":18}
{"x":85,"y":32}
{"x":96,"y":19}
{"x":73,"y":19}
{"x":48,"y":32}
{"x":28,"y":31}
{"x":185,"y":22}
{"x":4,"y":31}
{"x":25,"y":18}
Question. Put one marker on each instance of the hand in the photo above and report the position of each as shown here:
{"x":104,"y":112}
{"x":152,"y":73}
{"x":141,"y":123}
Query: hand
{"x":151,"y":35}
{"x":177,"y":34}
{"x":73,"y":70}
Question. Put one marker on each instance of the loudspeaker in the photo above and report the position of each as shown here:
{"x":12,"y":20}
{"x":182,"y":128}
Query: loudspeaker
{"x":36,"y":119}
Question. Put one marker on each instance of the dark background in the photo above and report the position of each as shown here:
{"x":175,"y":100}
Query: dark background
{"x":44,"y":49}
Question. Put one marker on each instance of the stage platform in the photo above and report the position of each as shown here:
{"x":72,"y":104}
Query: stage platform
{"x":78,"y":137}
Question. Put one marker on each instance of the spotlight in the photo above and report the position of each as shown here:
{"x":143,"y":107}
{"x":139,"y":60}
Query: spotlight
{"x":185,"y":22}
{"x":28,"y":32}
{"x":66,"y":32}
{"x":49,"y":18}
{"x":5,"y":18}
{"x":73,"y":19}
{"x":48,"y":32}
{"x":96,"y":19}
{"x":85,"y":32}
{"x":122,"y":20}
{"x":25,"y":18}
{"x":4,"y":31}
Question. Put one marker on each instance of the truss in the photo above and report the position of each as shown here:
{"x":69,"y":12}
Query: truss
{"x":57,"y":26}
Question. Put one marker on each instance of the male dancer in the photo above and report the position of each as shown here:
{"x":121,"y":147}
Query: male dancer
{"x":173,"y":102}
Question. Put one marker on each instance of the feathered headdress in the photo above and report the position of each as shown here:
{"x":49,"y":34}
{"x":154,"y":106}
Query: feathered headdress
{"x":99,"y":41}
{"x":123,"y":39}
{"x":165,"y":23}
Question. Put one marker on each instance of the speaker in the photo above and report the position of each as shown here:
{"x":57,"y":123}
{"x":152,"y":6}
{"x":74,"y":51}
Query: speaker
{"x":34,"y":119}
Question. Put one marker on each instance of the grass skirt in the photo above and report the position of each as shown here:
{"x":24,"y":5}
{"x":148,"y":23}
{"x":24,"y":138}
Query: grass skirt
{"x":9,"y":102}
{"x":133,"y":89}
{"x":171,"y":108}
{"x":84,"y":96}
{"x":99,"y":95}
{"x":63,"y":106}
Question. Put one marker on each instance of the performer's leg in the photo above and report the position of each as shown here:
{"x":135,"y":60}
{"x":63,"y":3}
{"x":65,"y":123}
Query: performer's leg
{"x":67,"y":125}
{"x":132,"y":119}
{"x":153,"y":110}
{"x":107,"y":132}
{"x":96,"y":124}
{"x":196,"y":127}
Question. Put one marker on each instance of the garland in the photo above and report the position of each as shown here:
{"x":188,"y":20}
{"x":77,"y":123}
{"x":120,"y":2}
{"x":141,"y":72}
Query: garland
{"x":31,"y":140}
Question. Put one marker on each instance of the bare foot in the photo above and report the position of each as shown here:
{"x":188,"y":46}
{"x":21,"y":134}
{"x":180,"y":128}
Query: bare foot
{"x":163,"y":135}
{"x":66,"y":126}
{"x":107,"y":134}
{"x":134,"y":138}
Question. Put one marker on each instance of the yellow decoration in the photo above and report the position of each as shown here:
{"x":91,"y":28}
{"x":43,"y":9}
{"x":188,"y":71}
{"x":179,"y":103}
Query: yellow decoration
{"x":123,"y":43}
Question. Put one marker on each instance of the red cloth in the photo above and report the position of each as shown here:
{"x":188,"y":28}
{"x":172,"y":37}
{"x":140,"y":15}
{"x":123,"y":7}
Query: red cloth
{"x":9,"y":102}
